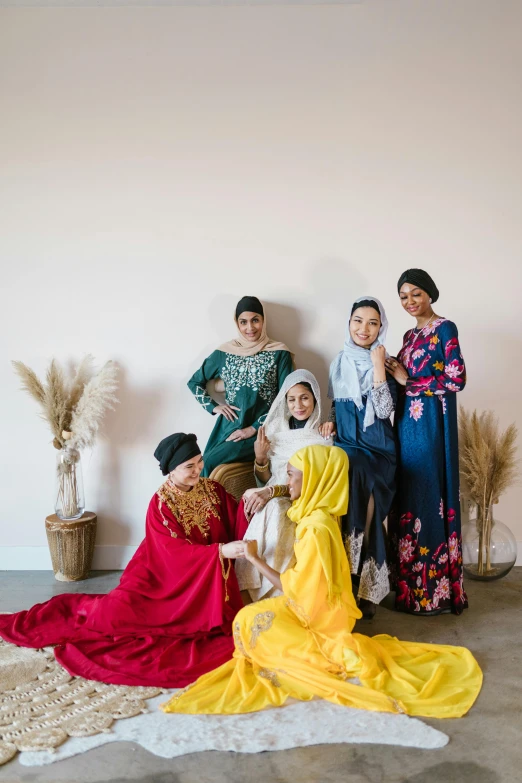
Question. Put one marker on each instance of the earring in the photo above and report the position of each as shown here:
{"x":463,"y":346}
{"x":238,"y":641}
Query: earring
{"x":431,"y":300}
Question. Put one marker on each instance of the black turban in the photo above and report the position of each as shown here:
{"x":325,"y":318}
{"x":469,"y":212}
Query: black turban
{"x":175,"y":449}
{"x":365,"y":303}
{"x":249,"y":304}
{"x":420,"y":279}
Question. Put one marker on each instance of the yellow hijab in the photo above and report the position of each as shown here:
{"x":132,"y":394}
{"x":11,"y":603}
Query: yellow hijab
{"x":324,"y":498}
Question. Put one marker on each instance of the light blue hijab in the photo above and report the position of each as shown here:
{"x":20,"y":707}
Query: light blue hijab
{"x":351,"y":372}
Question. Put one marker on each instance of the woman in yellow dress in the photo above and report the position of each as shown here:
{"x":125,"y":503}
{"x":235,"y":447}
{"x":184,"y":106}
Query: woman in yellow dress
{"x":299,"y":645}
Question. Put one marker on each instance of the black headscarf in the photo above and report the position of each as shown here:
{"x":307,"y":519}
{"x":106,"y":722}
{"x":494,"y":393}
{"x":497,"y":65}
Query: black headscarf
{"x":365,"y":303}
{"x":420,"y":279}
{"x":249,"y":304}
{"x":175,"y":450}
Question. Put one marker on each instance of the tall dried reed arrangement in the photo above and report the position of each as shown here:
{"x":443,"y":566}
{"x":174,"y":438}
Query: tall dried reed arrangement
{"x":73,"y":405}
{"x":488,"y":466}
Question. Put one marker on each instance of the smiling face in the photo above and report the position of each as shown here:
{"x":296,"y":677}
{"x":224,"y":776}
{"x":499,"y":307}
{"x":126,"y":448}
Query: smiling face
{"x":250,"y":325}
{"x":364,"y":326}
{"x":295,"y":481}
{"x":300,"y":401}
{"x":186,"y":475}
{"x":415,"y":301}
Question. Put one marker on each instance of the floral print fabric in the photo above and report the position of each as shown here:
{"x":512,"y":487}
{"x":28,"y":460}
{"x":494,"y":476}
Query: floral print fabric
{"x":424,"y":525}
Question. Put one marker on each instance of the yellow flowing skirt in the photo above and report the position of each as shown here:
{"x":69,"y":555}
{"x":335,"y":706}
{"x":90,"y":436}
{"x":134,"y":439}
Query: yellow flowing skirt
{"x":300,"y":645}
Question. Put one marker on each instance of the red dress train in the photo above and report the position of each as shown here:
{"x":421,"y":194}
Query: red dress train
{"x":169,"y":620}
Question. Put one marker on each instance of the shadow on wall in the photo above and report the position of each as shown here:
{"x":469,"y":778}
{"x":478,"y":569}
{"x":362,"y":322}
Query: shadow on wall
{"x":291,"y":326}
{"x":134,"y":421}
{"x":330,"y":289}
{"x":323,"y":295}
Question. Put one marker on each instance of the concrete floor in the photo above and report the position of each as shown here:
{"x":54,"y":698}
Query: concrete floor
{"x":485,"y":746}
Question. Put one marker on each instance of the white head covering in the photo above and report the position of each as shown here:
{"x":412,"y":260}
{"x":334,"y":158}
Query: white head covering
{"x":284,"y":442}
{"x":351,"y":372}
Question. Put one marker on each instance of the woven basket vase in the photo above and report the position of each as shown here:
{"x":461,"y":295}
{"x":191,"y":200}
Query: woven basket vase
{"x":71,"y":545}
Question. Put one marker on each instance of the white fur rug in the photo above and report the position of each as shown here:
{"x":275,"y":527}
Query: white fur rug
{"x":293,"y":726}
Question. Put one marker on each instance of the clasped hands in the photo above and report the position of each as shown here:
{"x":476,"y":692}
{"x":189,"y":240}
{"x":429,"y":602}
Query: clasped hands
{"x":235,"y":549}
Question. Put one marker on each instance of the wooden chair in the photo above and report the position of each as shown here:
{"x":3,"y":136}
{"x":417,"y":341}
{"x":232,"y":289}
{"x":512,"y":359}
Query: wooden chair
{"x":235,"y":477}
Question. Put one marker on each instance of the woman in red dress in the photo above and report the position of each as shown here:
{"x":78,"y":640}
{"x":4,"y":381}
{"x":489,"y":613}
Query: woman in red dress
{"x":169,"y":619}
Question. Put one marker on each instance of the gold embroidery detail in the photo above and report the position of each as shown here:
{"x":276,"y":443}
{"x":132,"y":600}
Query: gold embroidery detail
{"x":224,"y":571}
{"x":165,"y":521}
{"x":178,"y":695}
{"x":298,"y":611}
{"x":270,"y":676}
{"x":238,"y":641}
{"x":262,"y":622}
{"x":191,"y":509}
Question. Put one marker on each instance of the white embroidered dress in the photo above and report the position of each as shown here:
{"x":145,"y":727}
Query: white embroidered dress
{"x":270,"y":527}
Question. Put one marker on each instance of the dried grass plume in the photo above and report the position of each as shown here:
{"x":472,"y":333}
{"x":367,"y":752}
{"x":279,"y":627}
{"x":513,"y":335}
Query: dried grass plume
{"x":488,"y":466}
{"x":488,"y":457}
{"x":74,"y":404}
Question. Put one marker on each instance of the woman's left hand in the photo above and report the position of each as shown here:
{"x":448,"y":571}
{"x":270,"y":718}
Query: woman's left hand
{"x":243,"y":434}
{"x":255,"y":501}
{"x":396,"y":369}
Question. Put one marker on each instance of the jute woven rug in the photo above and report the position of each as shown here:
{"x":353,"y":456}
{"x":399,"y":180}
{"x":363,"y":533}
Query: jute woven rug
{"x":41,"y":705}
{"x":49,"y":715}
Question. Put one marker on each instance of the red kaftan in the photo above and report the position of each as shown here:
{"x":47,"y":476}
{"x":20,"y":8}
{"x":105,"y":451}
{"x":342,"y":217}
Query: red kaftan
{"x":169,"y":620}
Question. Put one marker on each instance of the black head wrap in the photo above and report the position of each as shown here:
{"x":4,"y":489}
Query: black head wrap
{"x":175,"y":450}
{"x":249,"y":304}
{"x":420,"y":279}
{"x":365,"y":303}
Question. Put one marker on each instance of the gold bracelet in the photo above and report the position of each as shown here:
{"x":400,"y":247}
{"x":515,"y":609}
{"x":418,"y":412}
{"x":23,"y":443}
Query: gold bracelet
{"x":261,"y":468}
{"x":280,"y":490}
{"x":225,"y":572}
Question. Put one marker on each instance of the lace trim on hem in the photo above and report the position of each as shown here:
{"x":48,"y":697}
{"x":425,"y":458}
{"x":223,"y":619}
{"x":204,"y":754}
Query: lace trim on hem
{"x":353,"y":545}
{"x":375,"y":581}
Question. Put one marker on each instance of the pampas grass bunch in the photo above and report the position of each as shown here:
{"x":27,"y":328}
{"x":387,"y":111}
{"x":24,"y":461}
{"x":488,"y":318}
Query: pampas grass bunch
{"x":74,"y":406}
{"x":488,"y":466}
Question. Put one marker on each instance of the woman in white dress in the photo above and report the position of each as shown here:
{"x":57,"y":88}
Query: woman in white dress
{"x":291,"y":424}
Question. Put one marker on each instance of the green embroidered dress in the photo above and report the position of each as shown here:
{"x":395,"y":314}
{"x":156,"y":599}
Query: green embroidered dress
{"x":251,"y":384}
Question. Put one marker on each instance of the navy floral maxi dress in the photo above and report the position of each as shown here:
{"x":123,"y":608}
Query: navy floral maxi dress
{"x":424,"y":525}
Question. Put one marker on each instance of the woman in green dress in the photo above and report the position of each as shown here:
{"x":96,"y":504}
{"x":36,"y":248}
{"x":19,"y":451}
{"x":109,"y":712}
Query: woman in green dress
{"x":252,"y":368}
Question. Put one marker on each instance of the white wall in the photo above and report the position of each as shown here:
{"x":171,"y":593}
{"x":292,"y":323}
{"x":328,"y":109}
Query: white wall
{"x":157,"y":164}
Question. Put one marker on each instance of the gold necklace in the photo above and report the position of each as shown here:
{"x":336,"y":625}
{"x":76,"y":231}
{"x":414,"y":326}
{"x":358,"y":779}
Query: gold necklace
{"x":421,"y":330}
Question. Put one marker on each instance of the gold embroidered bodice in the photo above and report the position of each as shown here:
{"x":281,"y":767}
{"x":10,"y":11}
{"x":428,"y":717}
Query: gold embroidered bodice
{"x":191,"y":509}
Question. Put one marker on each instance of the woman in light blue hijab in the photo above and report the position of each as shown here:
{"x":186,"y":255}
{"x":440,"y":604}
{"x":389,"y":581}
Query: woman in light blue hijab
{"x":363,"y":400}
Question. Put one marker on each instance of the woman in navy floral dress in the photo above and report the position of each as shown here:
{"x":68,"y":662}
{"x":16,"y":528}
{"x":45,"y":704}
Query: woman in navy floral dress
{"x":424,"y":525}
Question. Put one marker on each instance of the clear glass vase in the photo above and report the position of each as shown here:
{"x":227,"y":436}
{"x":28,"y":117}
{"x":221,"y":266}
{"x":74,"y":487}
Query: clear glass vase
{"x":489,"y":548}
{"x":69,"y":497}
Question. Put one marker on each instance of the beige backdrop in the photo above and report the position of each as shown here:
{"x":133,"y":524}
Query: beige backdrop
{"x":157,"y":164}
